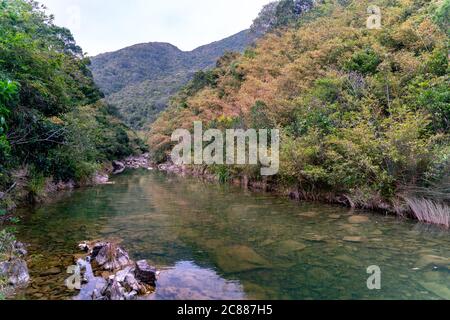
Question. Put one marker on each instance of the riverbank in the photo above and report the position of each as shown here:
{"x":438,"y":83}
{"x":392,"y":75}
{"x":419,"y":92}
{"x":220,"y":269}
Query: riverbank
{"x":24,"y":192}
{"x":403,"y":205}
{"x":13,"y":267}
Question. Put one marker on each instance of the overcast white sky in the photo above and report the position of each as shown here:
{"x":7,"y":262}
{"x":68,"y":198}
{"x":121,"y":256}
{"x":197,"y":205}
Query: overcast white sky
{"x":108,"y":25}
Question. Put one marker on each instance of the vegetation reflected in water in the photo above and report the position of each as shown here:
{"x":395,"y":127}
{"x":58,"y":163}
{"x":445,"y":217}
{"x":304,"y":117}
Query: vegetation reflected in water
{"x":217,"y":241}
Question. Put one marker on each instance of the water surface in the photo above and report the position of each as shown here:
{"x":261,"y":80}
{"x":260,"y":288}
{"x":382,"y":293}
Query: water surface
{"x":216,"y":242}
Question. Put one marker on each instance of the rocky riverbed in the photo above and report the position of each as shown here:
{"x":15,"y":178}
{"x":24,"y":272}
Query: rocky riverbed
{"x":106,"y":272}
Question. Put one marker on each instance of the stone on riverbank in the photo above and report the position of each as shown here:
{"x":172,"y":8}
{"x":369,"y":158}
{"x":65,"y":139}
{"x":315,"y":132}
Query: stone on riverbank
{"x":16,"y":272}
{"x":15,"y":269}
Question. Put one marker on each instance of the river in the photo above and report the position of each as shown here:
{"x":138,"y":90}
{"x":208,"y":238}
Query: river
{"x":221,"y":242}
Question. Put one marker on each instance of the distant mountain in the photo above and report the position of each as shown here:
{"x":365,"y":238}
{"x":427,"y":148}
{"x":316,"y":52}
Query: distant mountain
{"x":139,"y":80}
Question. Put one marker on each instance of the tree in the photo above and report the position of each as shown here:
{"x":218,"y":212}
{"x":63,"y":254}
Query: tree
{"x":45,"y":84}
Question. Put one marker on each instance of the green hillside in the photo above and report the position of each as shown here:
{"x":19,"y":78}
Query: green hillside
{"x":53,"y":126}
{"x":139,"y":80}
{"x":364,"y":114}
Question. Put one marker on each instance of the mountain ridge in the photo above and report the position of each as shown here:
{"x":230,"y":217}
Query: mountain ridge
{"x":140,"y":79}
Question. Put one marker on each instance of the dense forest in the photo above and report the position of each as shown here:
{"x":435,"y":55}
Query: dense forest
{"x":53,"y":126}
{"x":139,"y":80}
{"x":364,"y":114}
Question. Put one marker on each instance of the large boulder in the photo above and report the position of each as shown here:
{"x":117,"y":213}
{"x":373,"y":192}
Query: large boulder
{"x":16,"y":272}
{"x":109,"y":256}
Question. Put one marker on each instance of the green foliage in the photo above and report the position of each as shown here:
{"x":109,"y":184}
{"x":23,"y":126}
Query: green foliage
{"x":434,"y":97}
{"x":8,"y":95}
{"x":140,"y":80}
{"x":223,"y":174}
{"x":363,"y":113}
{"x":438,"y":62}
{"x":442,"y":16}
{"x":36,"y":185}
{"x":259,"y":118}
{"x":45,"y":84}
{"x":7,"y":240}
{"x":202,"y":79}
{"x":365,"y":61}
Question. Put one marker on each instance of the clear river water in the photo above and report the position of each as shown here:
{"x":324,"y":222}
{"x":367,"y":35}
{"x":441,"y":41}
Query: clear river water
{"x":222,"y":242}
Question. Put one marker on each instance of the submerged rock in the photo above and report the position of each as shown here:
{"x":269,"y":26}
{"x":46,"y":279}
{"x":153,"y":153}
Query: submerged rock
{"x":314,"y":238}
{"x":358,"y":219}
{"x":432,"y":260}
{"x":237,"y":259}
{"x":439,"y":289}
{"x":308,"y":215}
{"x":51,"y":272}
{"x":347,"y":260}
{"x":290,"y":246}
{"x":354,"y":239}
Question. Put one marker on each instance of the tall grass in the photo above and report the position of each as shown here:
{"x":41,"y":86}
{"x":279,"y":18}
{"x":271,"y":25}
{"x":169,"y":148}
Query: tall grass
{"x":429,"y":211}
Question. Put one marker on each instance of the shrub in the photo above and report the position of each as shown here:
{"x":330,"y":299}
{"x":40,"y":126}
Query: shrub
{"x":365,"y":62}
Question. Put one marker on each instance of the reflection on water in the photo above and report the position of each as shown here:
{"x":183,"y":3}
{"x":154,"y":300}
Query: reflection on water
{"x":187,"y":281}
{"x":240,"y":244}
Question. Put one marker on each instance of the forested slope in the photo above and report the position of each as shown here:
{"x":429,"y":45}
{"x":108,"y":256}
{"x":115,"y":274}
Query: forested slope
{"x":53,"y":127}
{"x":364,"y":114}
{"x":139,"y":80}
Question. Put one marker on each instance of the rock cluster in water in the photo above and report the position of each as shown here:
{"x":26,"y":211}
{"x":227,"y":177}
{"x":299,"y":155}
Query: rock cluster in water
{"x":118,"y":277}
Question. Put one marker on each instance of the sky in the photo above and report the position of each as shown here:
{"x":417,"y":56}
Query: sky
{"x":107,"y":25}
